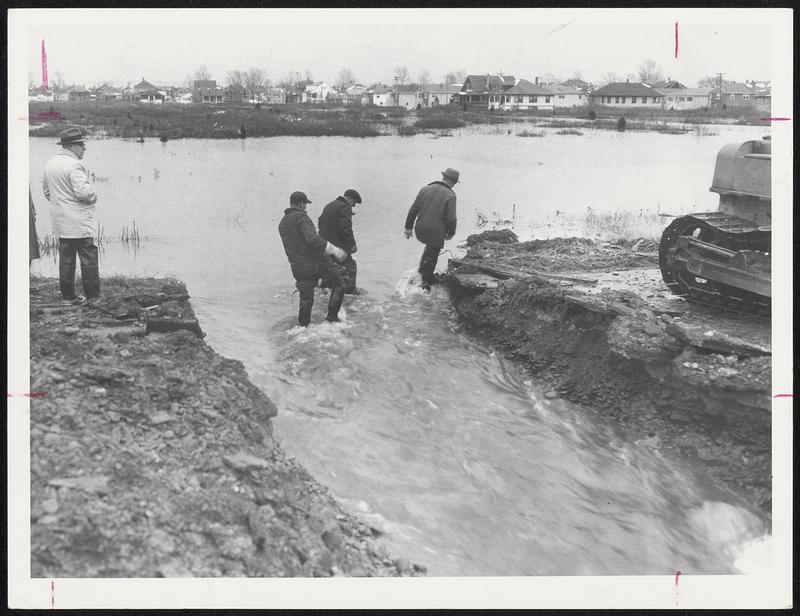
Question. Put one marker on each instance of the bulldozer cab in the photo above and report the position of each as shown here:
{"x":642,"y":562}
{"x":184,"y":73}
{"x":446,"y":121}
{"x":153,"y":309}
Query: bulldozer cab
{"x":743,"y":180}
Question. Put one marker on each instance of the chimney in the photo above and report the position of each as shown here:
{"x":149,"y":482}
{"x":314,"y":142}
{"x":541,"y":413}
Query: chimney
{"x":627,"y":81}
{"x":536,"y":80}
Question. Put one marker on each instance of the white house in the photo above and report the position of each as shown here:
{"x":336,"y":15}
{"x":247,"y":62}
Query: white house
{"x":565,"y":96}
{"x":380,"y":95}
{"x":686,"y":98}
{"x":41,"y":95}
{"x":526,"y":95}
{"x":627,"y":94}
{"x":438,"y":93}
{"x":317,"y":92}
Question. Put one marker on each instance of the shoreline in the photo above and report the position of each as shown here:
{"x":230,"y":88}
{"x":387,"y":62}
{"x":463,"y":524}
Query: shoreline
{"x":153,"y":456}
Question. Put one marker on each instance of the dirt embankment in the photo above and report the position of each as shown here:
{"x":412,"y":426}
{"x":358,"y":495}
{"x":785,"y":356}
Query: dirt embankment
{"x":152,"y":456}
{"x":610,"y":336}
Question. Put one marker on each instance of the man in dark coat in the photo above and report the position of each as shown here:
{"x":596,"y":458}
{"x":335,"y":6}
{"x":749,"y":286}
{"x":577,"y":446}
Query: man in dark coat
{"x":309,"y":258}
{"x":336,"y":226}
{"x":434,"y":211}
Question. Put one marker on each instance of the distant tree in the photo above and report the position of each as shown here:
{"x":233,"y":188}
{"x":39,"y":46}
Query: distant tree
{"x":289,"y":80}
{"x":254,"y":81}
{"x":202,"y":73}
{"x":424,"y":76}
{"x":459,"y":76}
{"x":309,"y":77}
{"x":234,"y":78}
{"x":345,"y":79}
{"x":401,"y":74}
{"x":650,"y":72}
{"x":58,"y":80}
{"x":550,"y":78}
{"x":577,"y":75}
{"x":607,"y":78}
{"x":712,"y":81}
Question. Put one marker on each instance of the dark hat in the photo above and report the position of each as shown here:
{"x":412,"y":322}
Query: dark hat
{"x":71,"y":136}
{"x":352,"y":192}
{"x":451,"y":173}
{"x":298,"y":197}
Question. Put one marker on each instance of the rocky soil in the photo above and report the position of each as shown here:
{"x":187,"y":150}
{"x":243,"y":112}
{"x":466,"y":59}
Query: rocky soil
{"x":152,"y":456}
{"x":611,"y":337}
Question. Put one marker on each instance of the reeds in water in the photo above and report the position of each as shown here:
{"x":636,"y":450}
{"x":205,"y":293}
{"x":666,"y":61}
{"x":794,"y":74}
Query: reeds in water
{"x":130,"y":235}
{"x":531,"y":133}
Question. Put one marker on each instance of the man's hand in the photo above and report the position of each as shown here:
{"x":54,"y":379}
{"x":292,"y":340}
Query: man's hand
{"x":334,"y":251}
{"x":408,"y":233}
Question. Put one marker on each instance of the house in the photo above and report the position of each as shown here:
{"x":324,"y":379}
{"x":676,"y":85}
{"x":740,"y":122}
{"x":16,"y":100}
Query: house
{"x":275,"y":96}
{"x":567,"y":96}
{"x":143,"y":86}
{"x":526,"y":95}
{"x":438,"y":93}
{"x":184,"y":96}
{"x":210,"y":96}
{"x":380,"y":95}
{"x":579,"y":84}
{"x":79,"y":94}
{"x":109,"y":93}
{"x":41,"y":95}
{"x":734,"y":94}
{"x":669,"y":84}
{"x":483,"y":90}
{"x":685,"y":98}
{"x":355,"y":94}
{"x":151,"y":96}
{"x":407,"y":96}
{"x":627,"y":94}
{"x":200,"y":84}
{"x":317,"y":92}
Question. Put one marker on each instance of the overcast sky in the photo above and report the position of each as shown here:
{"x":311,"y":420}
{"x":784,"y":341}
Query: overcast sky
{"x":166,"y":46}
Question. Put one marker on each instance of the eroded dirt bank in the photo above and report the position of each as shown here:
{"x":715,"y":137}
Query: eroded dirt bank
{"x":152,"y":456}
{"x":610,"y":336}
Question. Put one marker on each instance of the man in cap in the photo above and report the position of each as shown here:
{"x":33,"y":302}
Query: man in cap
{"x":336,"y":226}
{"x":68,"y":188}
{"x":434,"y":211}
{"x":309,"y":259}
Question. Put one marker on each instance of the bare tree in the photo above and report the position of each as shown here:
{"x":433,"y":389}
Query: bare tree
{"x":459,"y":76}
{"x":650,"y":72}
{"x":253,"y":81}
{"x":424,"y":76}
{"x":289,"y":80}
{"x":345,"y":79}
{"x":202,"y":73}
{"x":577,"y":75}
{"x":234,"y":78}
{"x":712,"y":81}
{"x":309,"y":77}
{"x":607,"y":78}
{"x":401,"y":74}
{"x":58,"y":80}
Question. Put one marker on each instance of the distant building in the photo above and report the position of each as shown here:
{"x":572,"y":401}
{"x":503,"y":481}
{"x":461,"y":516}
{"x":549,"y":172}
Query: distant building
{"x":317,"y":93}
{"x":484,"y":90}
{"x":41,"y":95}
{"x":627,"y":94}
{"x":355,"y":94}
{"x":669,"y":84}
{"x":79,"y":94}
{"x":579,"y":84}
{"x":526,"y":95}
{"x":685,"y":98}
{"x":210,"y":96}
{"x":407,"y":96}
{"x":143,"y":86}
{"x":380,"y":95}
{"x":438,"y":93}
{"x":731,"y":95}
{"x":567,"y":97}
{"x":204,"y":84}
{"x":275,"y":96}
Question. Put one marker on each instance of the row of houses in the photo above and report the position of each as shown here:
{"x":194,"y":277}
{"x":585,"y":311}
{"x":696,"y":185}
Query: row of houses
{"x":494,"y":92}
{"x":505,"y":93}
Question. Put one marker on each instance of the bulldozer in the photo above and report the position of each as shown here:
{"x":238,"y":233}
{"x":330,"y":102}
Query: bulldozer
{"x":722,"y":259}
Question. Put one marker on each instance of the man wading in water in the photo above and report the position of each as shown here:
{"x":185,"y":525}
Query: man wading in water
{"x":308,"y":258}
{"x":69,"y":190}
{"x":434,"y":210}
{"x":336,"y":226}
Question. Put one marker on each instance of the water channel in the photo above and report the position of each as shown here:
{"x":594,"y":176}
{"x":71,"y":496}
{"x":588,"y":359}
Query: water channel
{"x":453,"y":453}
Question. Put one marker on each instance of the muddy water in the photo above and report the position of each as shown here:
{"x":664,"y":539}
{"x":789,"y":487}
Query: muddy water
{"x":451,"y":453}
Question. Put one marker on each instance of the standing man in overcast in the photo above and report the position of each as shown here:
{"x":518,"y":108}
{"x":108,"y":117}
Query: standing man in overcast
{"x":434,"y":210}
{"x":309,"y":260}
{"x":68,"y":188}
{"x":336,"y":226}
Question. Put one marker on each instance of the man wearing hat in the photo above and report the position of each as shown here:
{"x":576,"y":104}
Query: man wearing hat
{"x":336,"y":226}
{"x":69,"y":190}
{"x":434,"y":210}
{"x":309,"y":259}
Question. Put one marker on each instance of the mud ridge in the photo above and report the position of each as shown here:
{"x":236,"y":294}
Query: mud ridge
{"x":595,"y":323}
{"x":153,"y":456}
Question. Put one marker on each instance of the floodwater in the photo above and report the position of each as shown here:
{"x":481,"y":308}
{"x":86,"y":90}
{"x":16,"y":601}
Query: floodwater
{"x":451,"y":452}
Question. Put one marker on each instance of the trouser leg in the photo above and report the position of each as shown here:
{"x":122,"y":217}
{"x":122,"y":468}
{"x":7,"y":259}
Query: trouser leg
{"x":305,"y":286}
{"x":351,"y":271}
{"x":90,"y":267}
{"x":66,"y":267}
{"x":427,"y":264}
{"x":338,"y":277}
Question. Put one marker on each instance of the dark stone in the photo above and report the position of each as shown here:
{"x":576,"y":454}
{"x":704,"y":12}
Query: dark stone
{"x":170,"y":325}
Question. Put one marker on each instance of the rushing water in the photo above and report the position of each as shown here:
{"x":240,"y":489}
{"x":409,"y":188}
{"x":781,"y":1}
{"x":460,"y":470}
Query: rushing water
{"x":453,"y":453}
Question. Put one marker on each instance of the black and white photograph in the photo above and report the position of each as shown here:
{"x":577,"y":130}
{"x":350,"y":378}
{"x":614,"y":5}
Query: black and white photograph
{"x":400,"y":308}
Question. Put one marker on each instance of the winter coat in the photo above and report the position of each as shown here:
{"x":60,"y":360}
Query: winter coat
{"x":67,"y":187}
{"x":434,"y":210}
{"x":336,"y":224}
{"x":304,"y":248}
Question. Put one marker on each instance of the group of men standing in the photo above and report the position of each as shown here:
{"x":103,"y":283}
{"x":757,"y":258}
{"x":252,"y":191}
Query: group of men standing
{"x":327,"y":256}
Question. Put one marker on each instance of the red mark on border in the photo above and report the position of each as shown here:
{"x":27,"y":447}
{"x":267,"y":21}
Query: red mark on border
{"x":783,"y":396}
{"x":30,"y":394}
{"x":677,"y":576}
{"x":52,"y":593}
{"x":676,"y":39}
{"x":775,"y":119}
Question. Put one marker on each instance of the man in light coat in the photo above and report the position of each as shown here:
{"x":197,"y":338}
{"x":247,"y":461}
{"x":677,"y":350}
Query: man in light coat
{"x":68,"y":188}
{"x":434,"y":211}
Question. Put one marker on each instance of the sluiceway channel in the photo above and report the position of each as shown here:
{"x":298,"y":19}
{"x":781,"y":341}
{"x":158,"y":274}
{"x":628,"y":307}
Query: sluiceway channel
{"x":460,"y":462}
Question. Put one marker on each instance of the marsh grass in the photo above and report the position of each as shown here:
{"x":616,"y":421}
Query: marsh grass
{"x":569,"y":131}
{"x":130,"y":236}
{"x":531,"y":133}
{"x":613,"y":226}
